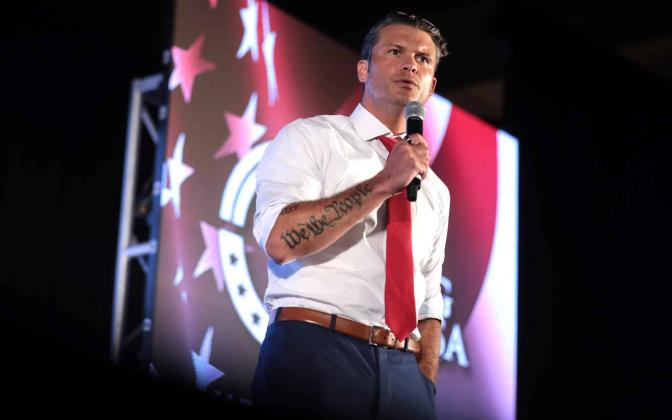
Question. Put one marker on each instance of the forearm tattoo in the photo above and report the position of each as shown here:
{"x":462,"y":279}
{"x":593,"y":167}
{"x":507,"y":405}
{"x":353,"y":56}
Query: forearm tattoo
{"x":332,"y":213}
{"x":290,"y":208}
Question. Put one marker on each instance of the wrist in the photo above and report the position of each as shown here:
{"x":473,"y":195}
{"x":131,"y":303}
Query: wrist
{"x":382,"y":185}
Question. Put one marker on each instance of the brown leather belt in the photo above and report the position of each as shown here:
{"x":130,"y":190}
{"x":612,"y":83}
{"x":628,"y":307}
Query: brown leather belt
{"x":375,"y":336}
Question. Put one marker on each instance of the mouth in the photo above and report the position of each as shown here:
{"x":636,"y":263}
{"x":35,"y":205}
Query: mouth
{"x":408,"y":83}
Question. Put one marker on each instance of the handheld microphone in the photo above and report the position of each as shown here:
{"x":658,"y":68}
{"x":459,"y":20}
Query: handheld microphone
{"x":415,"y":114}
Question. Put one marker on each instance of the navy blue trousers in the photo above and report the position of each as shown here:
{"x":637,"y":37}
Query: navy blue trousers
{"x":306,"y":370}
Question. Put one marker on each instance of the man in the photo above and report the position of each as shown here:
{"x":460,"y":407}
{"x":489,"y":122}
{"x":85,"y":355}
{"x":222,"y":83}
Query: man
{"x":338,"y":274}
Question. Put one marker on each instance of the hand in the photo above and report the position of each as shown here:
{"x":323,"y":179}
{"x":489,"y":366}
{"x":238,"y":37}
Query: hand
{"x":404,"y":162}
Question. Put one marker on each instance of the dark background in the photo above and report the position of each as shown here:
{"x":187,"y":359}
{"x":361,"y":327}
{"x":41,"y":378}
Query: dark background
{"x":585,"y":88}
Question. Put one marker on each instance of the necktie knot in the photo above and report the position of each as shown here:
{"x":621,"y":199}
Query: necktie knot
{"x":388,"y":142}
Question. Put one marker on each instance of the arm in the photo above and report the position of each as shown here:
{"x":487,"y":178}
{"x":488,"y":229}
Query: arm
{"x":428,"y":359}
{"x":433,"y":308}
{"x":306,"y":227}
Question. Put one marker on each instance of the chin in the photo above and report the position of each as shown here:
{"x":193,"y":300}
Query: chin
{"x":403,"y":100}
{"x":414,"y":98}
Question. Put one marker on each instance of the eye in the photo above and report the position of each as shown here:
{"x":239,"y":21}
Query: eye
{"x":425,"y":59}
{"x":394,"y":51}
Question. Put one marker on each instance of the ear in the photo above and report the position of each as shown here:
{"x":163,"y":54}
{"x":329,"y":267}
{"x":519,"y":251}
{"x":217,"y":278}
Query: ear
{"x":431,"y":91}
{"x":363,"y":70}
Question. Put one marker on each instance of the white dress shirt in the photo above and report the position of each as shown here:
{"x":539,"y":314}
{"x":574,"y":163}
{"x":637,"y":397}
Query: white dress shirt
{"x":319,"y":157}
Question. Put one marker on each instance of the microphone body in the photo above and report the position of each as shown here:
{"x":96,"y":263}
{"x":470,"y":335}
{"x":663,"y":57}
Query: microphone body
{"x":415,"y":114}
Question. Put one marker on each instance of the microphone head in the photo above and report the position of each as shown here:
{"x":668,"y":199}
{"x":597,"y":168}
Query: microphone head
{"x":414,"y":109}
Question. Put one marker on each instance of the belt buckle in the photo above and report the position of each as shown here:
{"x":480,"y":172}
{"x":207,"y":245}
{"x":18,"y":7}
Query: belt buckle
{"x":373,"y":328}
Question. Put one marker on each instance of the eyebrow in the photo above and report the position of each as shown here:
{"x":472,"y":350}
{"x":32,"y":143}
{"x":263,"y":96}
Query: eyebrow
{"x":423,"y":53}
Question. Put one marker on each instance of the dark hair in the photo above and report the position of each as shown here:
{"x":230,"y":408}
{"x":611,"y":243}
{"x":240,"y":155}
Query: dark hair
{"x":393,"y":18}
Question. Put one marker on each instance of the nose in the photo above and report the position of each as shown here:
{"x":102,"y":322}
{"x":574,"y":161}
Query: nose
{"x":409,"y":64}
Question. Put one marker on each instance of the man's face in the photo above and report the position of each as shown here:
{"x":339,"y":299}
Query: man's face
{"x":401,"y":68}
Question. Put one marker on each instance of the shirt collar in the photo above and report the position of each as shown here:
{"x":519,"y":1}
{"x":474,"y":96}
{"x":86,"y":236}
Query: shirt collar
{"x":367,"y":126}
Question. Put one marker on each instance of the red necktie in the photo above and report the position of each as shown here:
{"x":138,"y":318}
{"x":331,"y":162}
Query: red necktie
{"x":400,"y":313}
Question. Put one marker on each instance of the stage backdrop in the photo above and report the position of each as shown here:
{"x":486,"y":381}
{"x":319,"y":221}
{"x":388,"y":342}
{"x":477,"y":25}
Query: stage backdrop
{"x":242,"y":70}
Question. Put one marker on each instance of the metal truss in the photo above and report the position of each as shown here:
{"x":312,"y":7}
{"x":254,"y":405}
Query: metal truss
{"x":139,"y":222}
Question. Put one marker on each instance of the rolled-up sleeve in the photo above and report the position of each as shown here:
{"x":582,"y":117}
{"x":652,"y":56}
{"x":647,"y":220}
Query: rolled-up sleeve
{"x":288,"y":172}
{"x":432,"y":307}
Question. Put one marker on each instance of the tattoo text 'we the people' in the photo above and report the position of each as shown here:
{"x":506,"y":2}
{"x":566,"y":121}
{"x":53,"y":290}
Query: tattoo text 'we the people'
{"x":333,"y":212}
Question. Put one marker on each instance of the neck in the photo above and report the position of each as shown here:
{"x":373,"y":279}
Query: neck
{"x":392,"y":115}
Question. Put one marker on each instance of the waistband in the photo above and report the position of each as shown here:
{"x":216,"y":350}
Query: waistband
{"x":375,"y":336}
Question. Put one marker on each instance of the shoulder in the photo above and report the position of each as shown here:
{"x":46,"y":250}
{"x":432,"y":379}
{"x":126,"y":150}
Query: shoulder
{"x":316,"y":134}
{"x":307,"y":137}
{"x":316,"y":124}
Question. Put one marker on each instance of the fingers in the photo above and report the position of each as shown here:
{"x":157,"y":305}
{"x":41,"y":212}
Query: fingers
{"x":406,"y":161}
{"x":421,"y":148}
{"x":418,"y":140}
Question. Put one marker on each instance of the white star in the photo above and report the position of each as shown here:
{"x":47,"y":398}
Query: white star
{"x":267,"y":48}
{"x":179,"y":275}
{"x":249,"y":42}
{"x":210,"y":257}
{"x":188,"y":65}
{"x":178,"y":172}
{"x":206,"y":344}
{"x":205,"y":372}
{"x":243,"y":131}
